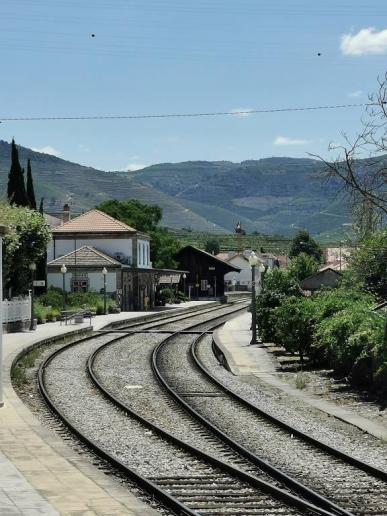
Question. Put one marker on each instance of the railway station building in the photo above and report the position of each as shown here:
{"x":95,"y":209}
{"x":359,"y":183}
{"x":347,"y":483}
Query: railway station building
{"x":83,"y":247}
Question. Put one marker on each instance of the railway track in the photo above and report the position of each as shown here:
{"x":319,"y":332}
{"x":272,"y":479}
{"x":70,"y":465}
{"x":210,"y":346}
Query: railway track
{"x":352,"y":484}
{"x":184,"y":477}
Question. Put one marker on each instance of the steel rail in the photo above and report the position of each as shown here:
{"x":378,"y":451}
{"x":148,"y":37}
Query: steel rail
{"x":149,"y":486}
{"x":353,"y":461}
{"x":288,"y":498}
{"x":318,"y":501}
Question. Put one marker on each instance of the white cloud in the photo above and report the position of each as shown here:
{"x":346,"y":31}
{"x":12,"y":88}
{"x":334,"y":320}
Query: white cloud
{"x":355,"y":94}
{"x":47,"y":149}
{"x":366,"y":41}
{"x":242,"y":112}
{"x":284,"y":140}
{"x":131,"y":167}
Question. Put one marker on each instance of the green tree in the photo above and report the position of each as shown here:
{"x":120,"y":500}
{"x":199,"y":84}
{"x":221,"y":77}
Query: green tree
{"x":30,"y":187}
{"x":212,"y":246}
{"x":278,"y":285}
{"x":304,"y":243}
{"x":141,"y":216}
{"x":369,"y":262}
{"x":146,"y":218}
{"x":16,"y":188}
{"x":294,"y":325}
{"x":302,"y":266}
{"x":25,"y":243}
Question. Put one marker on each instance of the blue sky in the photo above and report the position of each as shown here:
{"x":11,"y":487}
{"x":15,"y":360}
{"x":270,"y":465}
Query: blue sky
{"x":178,"y":56}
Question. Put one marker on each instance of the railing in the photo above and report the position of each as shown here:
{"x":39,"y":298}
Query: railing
{"x":17,"y":309}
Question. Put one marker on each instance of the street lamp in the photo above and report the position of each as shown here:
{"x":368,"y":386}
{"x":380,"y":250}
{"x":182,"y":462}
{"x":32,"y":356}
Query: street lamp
{"x":63,"y":270}
{"x":104,"y":273}
{"x":3,"y":231}
{"x":184,"y":278}
{"x":32,"y":267}
{"x":253,"y":261}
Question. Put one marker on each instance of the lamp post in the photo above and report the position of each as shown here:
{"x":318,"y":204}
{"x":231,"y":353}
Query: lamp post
{"x":184,"y":278}
{"x":253,"y":261}
{"x":63,"y":270}
{"x":32,"y":267}
{"x":104,"y":274}
{"x":3,"y":231}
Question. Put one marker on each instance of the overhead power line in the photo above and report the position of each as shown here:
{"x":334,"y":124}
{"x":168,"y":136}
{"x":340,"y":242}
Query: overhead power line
{"x":244,"y":113}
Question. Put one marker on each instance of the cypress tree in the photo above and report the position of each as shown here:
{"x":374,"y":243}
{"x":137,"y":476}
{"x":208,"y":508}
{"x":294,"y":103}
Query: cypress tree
{"x":16,"y":188}
{"x":30,"y":187}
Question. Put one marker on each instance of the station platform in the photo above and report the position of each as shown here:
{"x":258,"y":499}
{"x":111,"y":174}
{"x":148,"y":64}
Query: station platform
{"x":39,"y":473}
{"x":233,"y":340}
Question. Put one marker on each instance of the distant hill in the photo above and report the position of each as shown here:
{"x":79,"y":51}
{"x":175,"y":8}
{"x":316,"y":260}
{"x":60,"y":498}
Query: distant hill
{"x":272,"y":195}
{"x":57,"y":180}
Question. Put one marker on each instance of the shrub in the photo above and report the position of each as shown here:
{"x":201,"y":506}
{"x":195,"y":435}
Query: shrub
{"x":294,"y":322}
{"x":278,"y":285}
{"x":53,"y":297}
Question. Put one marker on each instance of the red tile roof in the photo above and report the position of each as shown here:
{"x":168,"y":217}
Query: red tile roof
{"x":94,"y":221}
{"x":85,"y":256}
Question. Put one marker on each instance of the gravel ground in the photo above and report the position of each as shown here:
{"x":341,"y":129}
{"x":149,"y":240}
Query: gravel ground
{"x":139,"y":448}
{"x":301,"y":416}
{"x":321,"y":383}
{"x":344,"y":484}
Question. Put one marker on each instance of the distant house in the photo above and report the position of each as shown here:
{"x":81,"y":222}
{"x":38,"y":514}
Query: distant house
{"x":206,"y":272}
{"x":93,"y":241}
{"x":325,"y":278}
{"x":243,"y":279}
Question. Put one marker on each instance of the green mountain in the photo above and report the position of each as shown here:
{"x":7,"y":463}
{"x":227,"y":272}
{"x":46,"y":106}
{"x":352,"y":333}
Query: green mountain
{"x":273,"y":195}
{"x":60,"y":181}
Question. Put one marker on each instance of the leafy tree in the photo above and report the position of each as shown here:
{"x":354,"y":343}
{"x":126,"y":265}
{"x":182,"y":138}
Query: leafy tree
{"x":369,"y":262}
{"x":278,"y":285}
{"x":304,"y":243}
{"x":16,"y":188}
{"x":25,"y":243}
{"x":30,"y":187}
{"x":302,"y":266}
{"x":146,"y":218}
{"x":212,"y":246}
{"x":141,"y":216}
{"x":295,"y":325}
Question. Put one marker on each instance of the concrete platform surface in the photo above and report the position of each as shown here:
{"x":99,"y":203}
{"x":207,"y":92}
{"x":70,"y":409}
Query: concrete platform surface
{"x":39,"y":473}
{"x":233,"y":339}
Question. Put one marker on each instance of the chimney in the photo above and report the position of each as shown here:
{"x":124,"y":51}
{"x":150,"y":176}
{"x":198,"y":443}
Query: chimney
{"x":66,"y":213}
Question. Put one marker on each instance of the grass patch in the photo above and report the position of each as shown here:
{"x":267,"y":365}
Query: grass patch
{"x":18,"y":372}
{"x":302,"y":380}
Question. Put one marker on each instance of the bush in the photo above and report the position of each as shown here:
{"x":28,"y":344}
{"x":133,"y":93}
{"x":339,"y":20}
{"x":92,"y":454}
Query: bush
{"x":278,"y":285}
{"x":302,"y":266}
{"x":294,"y":325}
{"x":40,"y":311}
{"x":53,"y":297}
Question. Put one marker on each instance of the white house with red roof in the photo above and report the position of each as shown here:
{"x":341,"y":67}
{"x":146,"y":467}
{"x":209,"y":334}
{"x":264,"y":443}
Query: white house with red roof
{"x":95,"y":241}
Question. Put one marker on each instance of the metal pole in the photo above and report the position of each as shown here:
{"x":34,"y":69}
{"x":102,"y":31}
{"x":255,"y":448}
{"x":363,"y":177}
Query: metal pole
{"x":253,"y":313}
{"x":63,"y":290}
{"x":32,"y":300}
{"x":104,"y":294}
{"x":215,"y":286}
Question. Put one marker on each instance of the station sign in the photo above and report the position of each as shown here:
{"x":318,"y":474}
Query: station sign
{"x":39,"y":283}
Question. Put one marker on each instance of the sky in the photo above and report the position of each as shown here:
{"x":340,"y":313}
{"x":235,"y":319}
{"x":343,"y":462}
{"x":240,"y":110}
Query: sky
{"x":69,"y":58}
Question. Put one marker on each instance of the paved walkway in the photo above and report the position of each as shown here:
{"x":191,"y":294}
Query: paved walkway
{"x":39,"y":473}
{"x":233,"y":339}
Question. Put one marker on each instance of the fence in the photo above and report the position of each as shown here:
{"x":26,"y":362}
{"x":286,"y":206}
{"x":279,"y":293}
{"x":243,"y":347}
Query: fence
{"x":18,"y":309}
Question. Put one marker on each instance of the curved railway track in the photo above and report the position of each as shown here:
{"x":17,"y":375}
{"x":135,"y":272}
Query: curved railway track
{"x":348,"y":482}
{"x":201,"y":483}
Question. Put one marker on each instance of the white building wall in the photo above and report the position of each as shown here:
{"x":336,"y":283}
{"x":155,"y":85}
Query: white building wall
{"x":109,"y":246}
{"x":244,"y":276}
{"x":55,"y":279}
{"x":143,"y":254}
